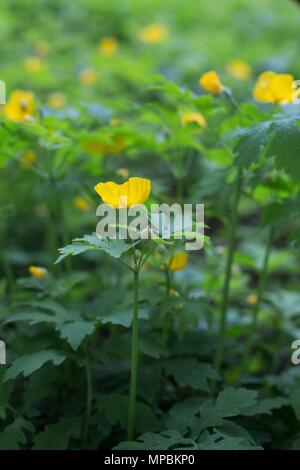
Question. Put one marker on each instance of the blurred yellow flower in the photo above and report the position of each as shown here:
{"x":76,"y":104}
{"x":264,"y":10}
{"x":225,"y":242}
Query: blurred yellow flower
{"x":211,"y":82}
{"x":251,"y":299}
{"x":33,"y":64}
{"x":154,"y":33}
{"x":56,"y":100}
{"x":239,"y":69}
{"x":82,"y":203}
{"x":105,"y":148}
{"x":198,"y":118}
{"x":271,"y":87}
{"x":20,"y":106}
{"x":38,"y":272}
{"x":88,"y":76}
{"x":108,"y":46}
{"x":134,"y":191}
{"x":28,"y":159}
{"x":124,"y":172}
{"x":178,"y":261}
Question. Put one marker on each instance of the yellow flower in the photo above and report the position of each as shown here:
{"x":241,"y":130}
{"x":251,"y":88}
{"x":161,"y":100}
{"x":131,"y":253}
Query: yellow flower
{"x":38,"y":272}
{"x":134,"y":191}
{"x":239,"y":69}
{"x":251,"y":299}
{"x":178,"y":261}
{"x":20,"y":106}
{"x":82,"y":203}
{"x":124,"y":172}
{"x":87,"y":76}
{"x":154,"y":33}
{"x":211,"y":82}
{"x":198,"y":118}
{"x":33,"y":64}
{"x":118,"y":144}
{"x":271,"y":87}
{"x":56,"y":100}
{"x":108,"y":46}
{"x":28,"y":159}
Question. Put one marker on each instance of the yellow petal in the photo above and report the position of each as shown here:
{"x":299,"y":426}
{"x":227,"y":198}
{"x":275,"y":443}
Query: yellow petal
{"x":37,"y":272}
{"x":178,"y":261}
{"x":198,"y":118}
{"x":211,"y":82}
{"x":154,"y":33}
{"x":239,"y":69}
{"x":262,"y":91}
{"x":108,"y":46}
{"x":20,"y":106}
{"x":282,"y":88}
{"x":134,"y":191}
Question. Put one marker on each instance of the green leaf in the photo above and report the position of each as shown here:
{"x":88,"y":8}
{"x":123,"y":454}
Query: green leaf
{"x":29,"y":363}
{"x":56,"y":436}
{"x":122,"y":316}
{"x":285,"y":146}
{"x":13,"y":436}
{"x":190,"y":373}
{"x":152,"y":441}
{"x":295,"y":402}
{"x":75,"y":332}
{"x":249,"y":148}
{"x":266,"y":406}
{"x":114,"y":248}
{"x":217,"y":442}
{"x":230,"y":402}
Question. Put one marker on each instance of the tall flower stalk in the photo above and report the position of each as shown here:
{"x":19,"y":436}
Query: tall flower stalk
{"x":262,"y":283}
{"x":134,"y":356}
{"x":228,"y":270}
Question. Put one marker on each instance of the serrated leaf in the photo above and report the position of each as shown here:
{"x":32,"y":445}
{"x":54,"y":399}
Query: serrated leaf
{"x":13,"y":436}
{"x":75,"y":332}
{"x":191,"y":373}
{"x":56,"y":436}
{"x":285,"y":146}
{"x":29,"y":363}
{"x":152,"y":441}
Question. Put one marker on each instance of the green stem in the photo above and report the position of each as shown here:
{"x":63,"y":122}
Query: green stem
{"x":167,"y":319}
{"x":134,"y":358}
{"x":89,"y":393}
{"x":230,"y":256}
{"x":260,"y":294}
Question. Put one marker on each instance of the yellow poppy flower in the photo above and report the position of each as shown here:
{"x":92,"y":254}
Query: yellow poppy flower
{"x":20,"y":106}
{"x":271,"y":87}
{"x":239,"y":69}
{"x":198,"y":118}
{"x":178,"y":261}
{"x":33,"y":64}
{"x":82,"y":203}
{"x":28,"y":159}
{"x":38,"y":272}
{"x":211,"y":82}
{"x":56,"y":100}
{"x":108,"y":46}
{"x":251,"y":299}
{"x":154,"y":33}
{"x":87,"y":76}
{"x":134,"y":191}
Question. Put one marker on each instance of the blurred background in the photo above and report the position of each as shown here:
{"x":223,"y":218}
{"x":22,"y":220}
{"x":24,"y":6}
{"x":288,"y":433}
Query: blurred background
{"x":96,"y":49}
